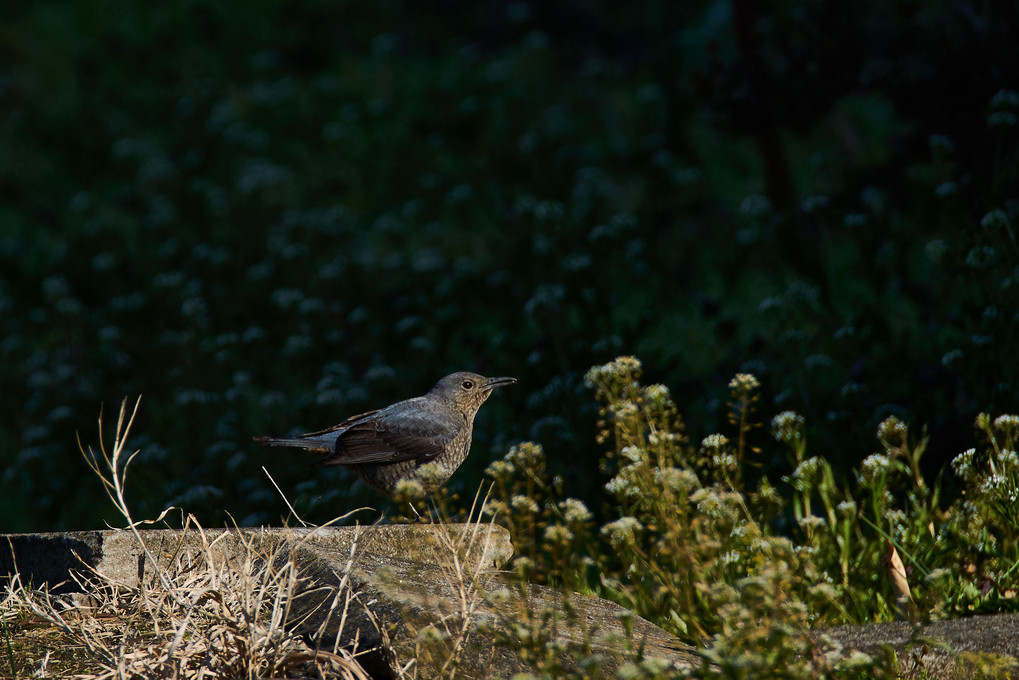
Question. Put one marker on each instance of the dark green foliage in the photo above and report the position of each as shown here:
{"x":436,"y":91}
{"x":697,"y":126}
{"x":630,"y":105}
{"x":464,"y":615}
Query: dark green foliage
{"x":266,"y":217}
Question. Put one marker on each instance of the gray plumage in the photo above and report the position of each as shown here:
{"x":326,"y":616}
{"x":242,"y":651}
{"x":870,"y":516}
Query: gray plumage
{"x":388,"y":445}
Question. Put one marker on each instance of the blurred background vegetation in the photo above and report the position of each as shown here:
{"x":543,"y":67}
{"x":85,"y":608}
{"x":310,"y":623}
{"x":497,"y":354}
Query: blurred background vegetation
{"x":267,"y":216}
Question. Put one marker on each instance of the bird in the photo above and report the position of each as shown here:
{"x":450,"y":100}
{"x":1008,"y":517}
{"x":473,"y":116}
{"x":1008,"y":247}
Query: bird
{"x":386,"y":446}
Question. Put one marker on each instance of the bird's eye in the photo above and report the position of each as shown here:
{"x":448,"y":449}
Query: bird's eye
{"x":467,"y":384}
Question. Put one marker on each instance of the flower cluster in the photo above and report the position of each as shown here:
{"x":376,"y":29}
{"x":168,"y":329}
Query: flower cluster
{"x":873,"y":468}
{"x":627,"y":368}
{"x":892,"y":433}
{"x":1008,"y":426}
{"x":806,"y":474}
{"x":622,"y":531}
{"x":714,"y":441}
{"x":526,"y":455}
{"x":574,"y":511}
{"x":500,"y":469}
{"x":744,"y":382}
{"x":963,"y":464}
{"x":557,"y":533}
{"x":679,"y":480}
{"x":657,"y":394}
{"x":408,"y":490}
{"x":787,"y":427}
{"x":522,"y":503}
{"x":626,"y":484}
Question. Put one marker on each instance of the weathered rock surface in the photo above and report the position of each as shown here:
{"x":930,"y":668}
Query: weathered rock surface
{"x":395,"y":580}
{"x":48,"y":557}
{"x":943,"y":649}
{"x":417,"y":591}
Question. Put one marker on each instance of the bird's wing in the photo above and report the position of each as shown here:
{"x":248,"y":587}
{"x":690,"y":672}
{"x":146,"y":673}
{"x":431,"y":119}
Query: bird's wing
{"x":324,"y":434}
{"x":401,"y":432}
{"x":323,"y":441}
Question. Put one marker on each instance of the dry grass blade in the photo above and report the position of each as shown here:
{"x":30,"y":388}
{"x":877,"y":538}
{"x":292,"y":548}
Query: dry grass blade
{"x":114,"y":475}
{"x":904,"y":604}
{"x":458,"y":550}
{"x":216,"y":608}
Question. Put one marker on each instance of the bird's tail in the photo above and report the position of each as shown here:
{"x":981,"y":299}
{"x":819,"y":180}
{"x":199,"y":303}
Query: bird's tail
{"x":316,"y":445}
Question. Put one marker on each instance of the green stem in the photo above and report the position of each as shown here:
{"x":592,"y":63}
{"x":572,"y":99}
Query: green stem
{"x":10,"y":649}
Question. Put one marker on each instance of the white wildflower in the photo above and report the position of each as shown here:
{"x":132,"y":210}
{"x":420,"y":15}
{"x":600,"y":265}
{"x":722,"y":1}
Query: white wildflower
{"x":963,"y":464}
{"x":1006,"y":423}
{"x":892,"y":432}
{"x":524,"y":504}
{"x":622,"y":530}
{"x":657,"y":393}
{"x":744,"y":382}
{"x":408,"y":490}
{"x":500,"y":469}
{"x":557,"y":533}
{"x":714,"y":441}
{"x":633,"y":453}
{"x":677,"y":479}
{"x":574,"y":511}
{"x":787,"y":426}
{"x":874,"y":466}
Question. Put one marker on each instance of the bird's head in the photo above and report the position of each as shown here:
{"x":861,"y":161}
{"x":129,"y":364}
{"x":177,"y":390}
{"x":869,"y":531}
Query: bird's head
{"x":468,"y":390}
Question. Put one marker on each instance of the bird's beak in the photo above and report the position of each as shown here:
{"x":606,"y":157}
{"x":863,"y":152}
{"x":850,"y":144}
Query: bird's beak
{"x":492,"y":383}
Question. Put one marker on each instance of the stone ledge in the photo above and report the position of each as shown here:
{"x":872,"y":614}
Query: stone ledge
{"x":48,"y":557}
{"x":399,"y":582}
